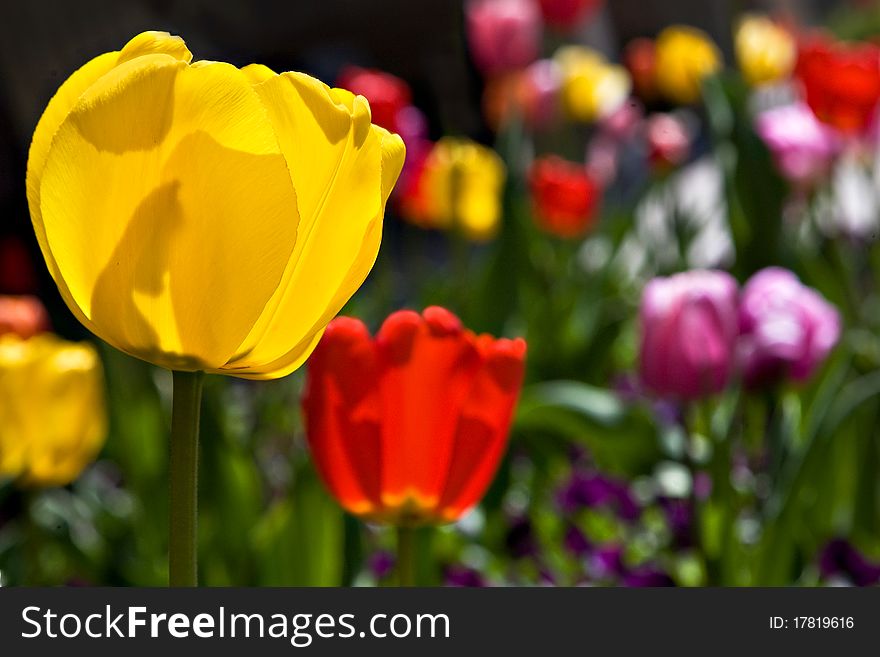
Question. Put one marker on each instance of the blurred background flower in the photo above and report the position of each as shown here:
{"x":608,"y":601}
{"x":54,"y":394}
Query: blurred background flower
{"x":787,"y":329}
{"x":52,"y":420}
{"x":765,"y":51}
{"x":688,"y":326}
{"x":564,"y":196}
{"x":685,"y":57}
{"x":503,"y":35}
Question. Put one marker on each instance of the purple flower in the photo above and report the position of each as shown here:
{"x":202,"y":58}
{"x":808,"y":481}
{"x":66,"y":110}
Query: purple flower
{"x":504,"y":35}
{"x":688,"y":333}
{"x":607,"y":562}
{"x":802,"y":146}
{"x":786,"y":328}
{"x":679,"y":516}
{"x":576,"y":543}
{"x":647,"y":576}
{"x":840,"y":558}
{"x":463,"y":576}
{"x":381,"y":564}
{"x":595,"y":490}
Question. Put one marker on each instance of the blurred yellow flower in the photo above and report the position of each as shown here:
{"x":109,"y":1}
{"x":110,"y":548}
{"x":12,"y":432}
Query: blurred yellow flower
{"x":52,"y":416}
{"x":592,"y":88}
{"x":461,"y":185}
{"x":765,"y":51}
{"x":205,"y":217}
{"x":685,"y":57}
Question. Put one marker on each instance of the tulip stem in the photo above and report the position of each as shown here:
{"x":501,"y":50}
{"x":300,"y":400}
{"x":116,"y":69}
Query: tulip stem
{"x":184,"y":471}
{"x":406,"y":556}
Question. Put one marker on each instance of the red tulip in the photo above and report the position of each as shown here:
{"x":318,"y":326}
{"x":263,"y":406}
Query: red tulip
{"x":564,"y":196}
{"x":409,"y":427}
{"x":387,"y":94}
{"x":567,"y":14}
{"x":24,"y":316}
{"x":841,"y":82}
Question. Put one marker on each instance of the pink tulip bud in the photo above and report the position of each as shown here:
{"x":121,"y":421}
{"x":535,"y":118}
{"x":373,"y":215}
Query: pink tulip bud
{"x":786,"y":328}
{"x":688,"y":333}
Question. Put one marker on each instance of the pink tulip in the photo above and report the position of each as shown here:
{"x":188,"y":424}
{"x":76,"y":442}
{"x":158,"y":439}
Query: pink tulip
{"x":688,"y":333}
{"x":802,"y":146}
{"x":504,"y":35}
{"x":786,"y":328}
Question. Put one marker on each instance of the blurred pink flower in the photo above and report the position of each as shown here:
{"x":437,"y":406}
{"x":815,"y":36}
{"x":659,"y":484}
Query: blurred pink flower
{"x":786,"y":328}
{"x":669,"y":142}
{"x":802,"y":146}
{"x":688,"y":333}
{"x":504,"y":35}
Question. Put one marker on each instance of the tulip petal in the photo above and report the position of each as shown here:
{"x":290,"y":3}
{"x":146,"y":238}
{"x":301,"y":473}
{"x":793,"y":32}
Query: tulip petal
{"x":149,"y":206}
{"x":341,"y":406}
{"x":155,"y":43}
{"x":56,"y":111}
{"x":481,"y":435}
{"x":343,"y":170}
{"x":428,"y":364}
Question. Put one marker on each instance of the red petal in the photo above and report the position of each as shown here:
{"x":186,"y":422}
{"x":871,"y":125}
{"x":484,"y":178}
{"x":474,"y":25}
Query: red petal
{"x":481,"y":434}
{"x":343,"y":425}
{"x":428,"y":364}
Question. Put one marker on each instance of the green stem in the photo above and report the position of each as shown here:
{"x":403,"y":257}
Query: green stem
{"x":406,"y":556}
{"x":184,"y":472}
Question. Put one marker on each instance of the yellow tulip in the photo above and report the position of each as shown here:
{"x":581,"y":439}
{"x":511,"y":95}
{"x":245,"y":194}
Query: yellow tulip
{"x":205,"y":217}
{"x":685,"y":57}
{"x":52,"y":416}
{"x":462,"y":184}
{"x":766,"y":52}
{"x":592,"y":88}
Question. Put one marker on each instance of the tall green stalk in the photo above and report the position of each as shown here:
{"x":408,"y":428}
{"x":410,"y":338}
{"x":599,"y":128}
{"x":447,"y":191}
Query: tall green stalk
{"x":184,"y":475}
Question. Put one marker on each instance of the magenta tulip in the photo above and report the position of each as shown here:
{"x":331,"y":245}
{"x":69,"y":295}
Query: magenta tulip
{"x":803,"y":147}
{"x":787,"y":328}
{"x":688,"y":333}
{"x":504,"y":35}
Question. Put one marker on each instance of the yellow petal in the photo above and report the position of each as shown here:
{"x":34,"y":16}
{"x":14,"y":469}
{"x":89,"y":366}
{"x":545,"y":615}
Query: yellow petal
{"x":258,"y":73}
{"x":169,"y":209}
{"x":154,"y":43}
{"x":53,"y":116}
{"x":343,"y":170}
{"x":55,"y":113}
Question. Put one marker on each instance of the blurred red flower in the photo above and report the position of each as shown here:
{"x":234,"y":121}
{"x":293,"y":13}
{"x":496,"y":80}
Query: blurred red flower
{"x":409,"y":427}
{"x":640,"y":59}
{"x":567,"y":14}
{"x":387,"y":93}
{"x":564,"y":196}
{"x":841,"y":82}
{"x":24,"y":316}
